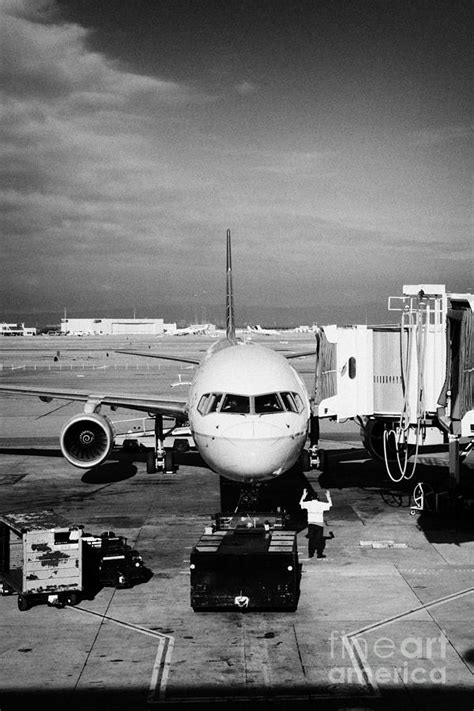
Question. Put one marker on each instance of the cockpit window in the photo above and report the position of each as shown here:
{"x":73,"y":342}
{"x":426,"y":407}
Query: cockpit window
{"x":202,"y":404}
{"x":214,"y":402}
{"x":209,"y":403}
{"x":243,"y":405}
{"x":292,"y":401}
{"x":298,"y":401}
{"x":267,"y":403}
{"x":239,"y":404}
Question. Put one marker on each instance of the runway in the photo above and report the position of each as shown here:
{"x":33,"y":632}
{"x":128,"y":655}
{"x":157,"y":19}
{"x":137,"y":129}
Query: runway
{"x":384,"y":621}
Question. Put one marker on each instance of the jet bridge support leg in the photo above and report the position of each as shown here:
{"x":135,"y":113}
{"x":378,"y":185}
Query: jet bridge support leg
{"x":454,"y":462}
{"x":314,"y":459}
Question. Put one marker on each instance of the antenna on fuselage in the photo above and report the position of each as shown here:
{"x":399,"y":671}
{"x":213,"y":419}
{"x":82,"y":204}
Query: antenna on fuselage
{"x":229,"y":308}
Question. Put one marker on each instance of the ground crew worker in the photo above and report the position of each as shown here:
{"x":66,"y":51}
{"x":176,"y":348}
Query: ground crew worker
{"x":316,"y":509}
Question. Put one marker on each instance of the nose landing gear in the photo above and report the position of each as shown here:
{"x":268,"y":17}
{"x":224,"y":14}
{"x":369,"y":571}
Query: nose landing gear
{"x":160,"y":460}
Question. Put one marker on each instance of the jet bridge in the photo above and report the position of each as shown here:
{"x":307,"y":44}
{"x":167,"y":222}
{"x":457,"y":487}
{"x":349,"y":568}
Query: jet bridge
{"x":407,"y":385}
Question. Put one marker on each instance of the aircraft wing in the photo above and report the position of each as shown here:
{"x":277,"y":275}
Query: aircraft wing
{"x":132,"y":401}
{"x":164,"y":356}
{"x":195,"y":361}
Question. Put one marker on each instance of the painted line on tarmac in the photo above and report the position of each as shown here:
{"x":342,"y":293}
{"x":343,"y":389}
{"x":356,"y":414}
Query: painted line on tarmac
{"x":437,"y":571}
{"x":401,"y":615}
{"x":161,"y":666}
{"x":351,"y":644}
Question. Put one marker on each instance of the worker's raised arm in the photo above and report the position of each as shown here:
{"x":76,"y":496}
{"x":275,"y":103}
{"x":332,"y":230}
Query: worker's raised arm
{"x":303,"y":496}
{"x":328,"y":497}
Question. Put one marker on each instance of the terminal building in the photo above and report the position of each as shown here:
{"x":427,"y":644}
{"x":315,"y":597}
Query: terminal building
{"x":115,"y":326}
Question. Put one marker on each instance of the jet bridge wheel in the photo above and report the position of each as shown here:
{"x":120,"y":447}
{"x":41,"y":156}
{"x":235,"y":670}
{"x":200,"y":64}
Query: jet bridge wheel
{"x":423,"y":498}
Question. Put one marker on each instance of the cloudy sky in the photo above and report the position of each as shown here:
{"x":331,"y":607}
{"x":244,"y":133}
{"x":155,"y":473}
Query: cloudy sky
{"x":331,"y":136}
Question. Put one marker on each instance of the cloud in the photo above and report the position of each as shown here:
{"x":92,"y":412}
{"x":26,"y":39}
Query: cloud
{"x":52,"y":63}
{"x":34,"y":10}
{"x":122,"y":182}
{"x":81,"y":155}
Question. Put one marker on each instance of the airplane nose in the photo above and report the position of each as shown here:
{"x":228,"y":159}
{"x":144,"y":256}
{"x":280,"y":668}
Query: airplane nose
{"x":265,"y":432}
{"x":252,"y":450}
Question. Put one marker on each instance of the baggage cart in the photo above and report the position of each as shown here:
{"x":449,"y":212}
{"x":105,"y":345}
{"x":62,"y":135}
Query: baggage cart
{"x":40,"y":558}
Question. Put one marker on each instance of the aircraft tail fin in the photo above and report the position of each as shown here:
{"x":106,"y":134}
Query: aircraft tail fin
{"x":229,"y":315}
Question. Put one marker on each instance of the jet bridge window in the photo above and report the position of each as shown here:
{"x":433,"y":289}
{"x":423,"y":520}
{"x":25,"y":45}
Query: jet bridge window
{"x":238,"y":404}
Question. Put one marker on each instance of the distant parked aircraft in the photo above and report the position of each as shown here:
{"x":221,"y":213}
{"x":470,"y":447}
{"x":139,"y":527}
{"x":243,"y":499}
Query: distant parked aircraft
{"x":259,"y":331}
{"x":193,"y":330}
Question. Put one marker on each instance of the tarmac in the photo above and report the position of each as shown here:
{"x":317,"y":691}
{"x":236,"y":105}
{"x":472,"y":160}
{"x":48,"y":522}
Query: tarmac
{"x":383,"y":622}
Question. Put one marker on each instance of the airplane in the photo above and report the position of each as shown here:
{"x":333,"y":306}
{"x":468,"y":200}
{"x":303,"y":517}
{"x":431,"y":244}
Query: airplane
{"x":193,"y":330}
{"x":259,"y":331}
{"x":247,"y":408}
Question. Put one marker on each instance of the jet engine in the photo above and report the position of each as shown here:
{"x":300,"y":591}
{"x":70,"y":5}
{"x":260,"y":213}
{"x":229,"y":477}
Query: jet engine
{"x":87,"y":440}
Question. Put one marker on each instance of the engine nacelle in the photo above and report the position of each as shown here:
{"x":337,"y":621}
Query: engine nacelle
{"x":87,"y":440}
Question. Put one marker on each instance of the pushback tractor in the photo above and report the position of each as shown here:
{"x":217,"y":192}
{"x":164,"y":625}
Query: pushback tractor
{"x":246,"y":561}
